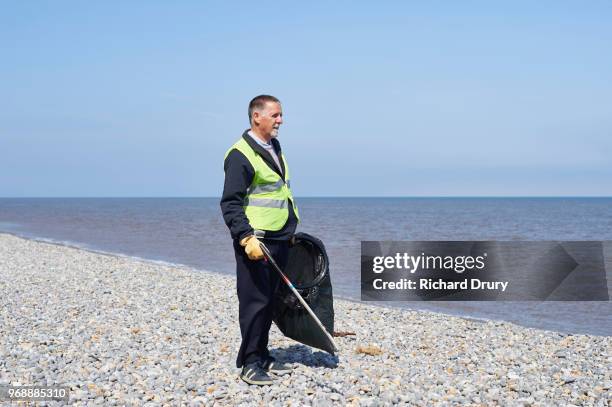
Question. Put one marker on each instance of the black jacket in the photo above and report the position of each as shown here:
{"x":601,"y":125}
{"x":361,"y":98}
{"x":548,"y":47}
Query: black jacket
{"x":239,"y":175}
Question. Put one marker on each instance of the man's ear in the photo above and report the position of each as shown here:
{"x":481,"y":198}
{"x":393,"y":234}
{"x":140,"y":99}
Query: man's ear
{"x":255,"y":117}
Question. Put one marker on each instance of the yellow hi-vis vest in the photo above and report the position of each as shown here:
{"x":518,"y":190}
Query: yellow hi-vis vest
{"x":266,"y":204}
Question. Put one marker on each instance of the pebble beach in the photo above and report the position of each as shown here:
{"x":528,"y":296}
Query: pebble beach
{"x":121,"y":331}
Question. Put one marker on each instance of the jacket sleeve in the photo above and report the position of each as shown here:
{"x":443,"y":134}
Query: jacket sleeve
{"x":239,"y":175}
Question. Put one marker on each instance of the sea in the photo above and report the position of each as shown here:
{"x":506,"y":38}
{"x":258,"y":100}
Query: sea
{"x":191,"y":232}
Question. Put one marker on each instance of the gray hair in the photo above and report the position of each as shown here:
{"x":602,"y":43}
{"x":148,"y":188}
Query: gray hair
{"x":259,"y":102}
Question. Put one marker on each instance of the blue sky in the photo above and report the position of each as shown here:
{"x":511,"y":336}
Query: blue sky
{"x":380,"y":98}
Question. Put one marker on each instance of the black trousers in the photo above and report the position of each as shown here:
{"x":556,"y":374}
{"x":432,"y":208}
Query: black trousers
{"x":256,"y":283}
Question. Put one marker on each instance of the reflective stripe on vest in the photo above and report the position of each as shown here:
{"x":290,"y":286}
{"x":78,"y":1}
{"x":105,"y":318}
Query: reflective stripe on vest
{"x":260,"y":189}
{"x":267,"y":201}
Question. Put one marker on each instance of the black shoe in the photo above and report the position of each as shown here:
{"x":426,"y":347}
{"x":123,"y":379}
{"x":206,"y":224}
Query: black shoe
{"x":254,"y":374}
{"x":272,"y":366}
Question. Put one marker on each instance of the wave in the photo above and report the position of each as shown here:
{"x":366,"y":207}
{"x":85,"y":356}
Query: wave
{"x":88,"y":248}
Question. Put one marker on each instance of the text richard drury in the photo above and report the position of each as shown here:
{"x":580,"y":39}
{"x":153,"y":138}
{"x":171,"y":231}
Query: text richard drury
{"x":483,"y":271}
{"x":414,"y":264}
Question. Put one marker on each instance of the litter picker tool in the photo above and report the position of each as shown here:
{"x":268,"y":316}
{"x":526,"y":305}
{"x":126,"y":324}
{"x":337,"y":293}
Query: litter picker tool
{"x":295,"y":292}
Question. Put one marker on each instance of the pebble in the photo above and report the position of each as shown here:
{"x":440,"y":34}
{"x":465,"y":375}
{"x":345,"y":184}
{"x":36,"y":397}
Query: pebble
{"x":120,"y":331}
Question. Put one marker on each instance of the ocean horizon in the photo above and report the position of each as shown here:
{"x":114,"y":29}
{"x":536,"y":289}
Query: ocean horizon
{"x":190,"y":232}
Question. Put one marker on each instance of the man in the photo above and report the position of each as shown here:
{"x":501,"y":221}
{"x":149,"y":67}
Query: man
{"x":257,"y":205}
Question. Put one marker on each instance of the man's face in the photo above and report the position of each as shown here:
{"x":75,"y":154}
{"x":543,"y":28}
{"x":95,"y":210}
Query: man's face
{"x":269,"y":119}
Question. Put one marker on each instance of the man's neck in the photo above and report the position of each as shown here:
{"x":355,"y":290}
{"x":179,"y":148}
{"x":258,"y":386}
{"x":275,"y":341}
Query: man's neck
{"x":261,"y":137}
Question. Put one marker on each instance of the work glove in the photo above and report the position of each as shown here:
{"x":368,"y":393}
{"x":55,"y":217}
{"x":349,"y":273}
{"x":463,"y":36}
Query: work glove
{"x":252,"y":248}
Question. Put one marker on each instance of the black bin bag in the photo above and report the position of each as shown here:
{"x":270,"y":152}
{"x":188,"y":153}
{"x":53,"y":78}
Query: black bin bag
{"x":308,"y":270}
